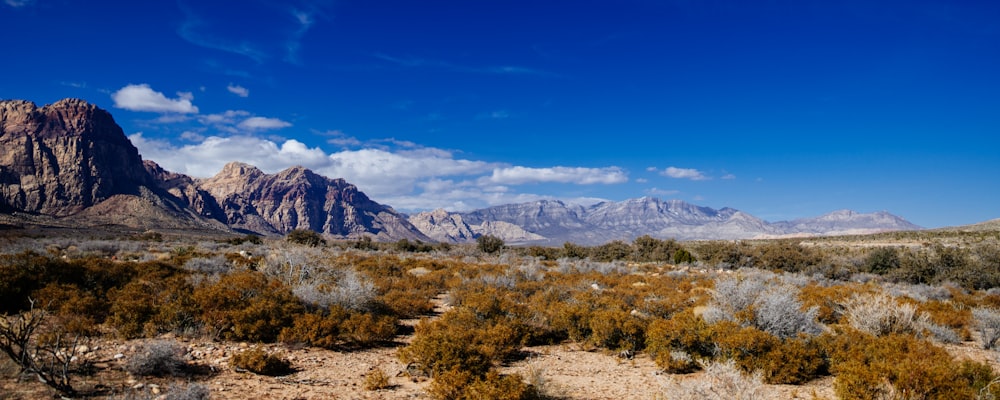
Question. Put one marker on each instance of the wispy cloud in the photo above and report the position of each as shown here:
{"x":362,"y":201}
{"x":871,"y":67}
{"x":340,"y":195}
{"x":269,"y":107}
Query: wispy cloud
{"x":195,"y":31}
{"x":263,"y":123}
{"x":661,"y":192}
{"x":238,"y":90}
{"x":262,"y":30}
{"x":294,"y":43}
{"x":143,"y":98}
{"x":19,"y":3}
{"x":583,"y":176}
{"x":412,"y":62}
{"x":77,"y":85}
{"x":684,"y":173}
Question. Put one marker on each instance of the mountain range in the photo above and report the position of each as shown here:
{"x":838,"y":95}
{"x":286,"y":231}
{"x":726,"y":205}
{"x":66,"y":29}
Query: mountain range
{"x":69,"y":164}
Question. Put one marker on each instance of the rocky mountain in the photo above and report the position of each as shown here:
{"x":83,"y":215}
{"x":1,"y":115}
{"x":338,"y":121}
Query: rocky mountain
{"x":298,"y":198}
{"x":64,"y":157}
{"x":847,"y":222}
{"x":70,"y":164}
{"x":443,"y":226}
{"x":554,"y":222}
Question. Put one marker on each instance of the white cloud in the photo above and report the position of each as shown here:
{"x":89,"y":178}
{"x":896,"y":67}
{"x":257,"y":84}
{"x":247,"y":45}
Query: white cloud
{"x":263,"y":123}
{"x":143,"y":98}
{"x":583,"y":176}
{"x":385,"y":172}
{"x":238,"y":90}
{"x":206,"y":158}
{"x":684,"y":173}
{"x":729,"y":176}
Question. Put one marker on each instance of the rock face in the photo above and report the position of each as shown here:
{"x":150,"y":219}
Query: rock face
{"x":553,"y":222}
{"x":298,"y":198}
{"x":62,"y":158}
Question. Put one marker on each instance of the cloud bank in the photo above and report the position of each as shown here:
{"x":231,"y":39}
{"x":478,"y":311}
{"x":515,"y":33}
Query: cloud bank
{"x":402,"y":174}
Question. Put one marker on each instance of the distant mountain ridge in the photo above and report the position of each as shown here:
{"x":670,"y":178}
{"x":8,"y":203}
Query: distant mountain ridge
{"x":69,"y":164}
{"x":557,"y":222}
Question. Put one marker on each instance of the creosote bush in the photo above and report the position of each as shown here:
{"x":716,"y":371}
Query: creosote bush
{"x":260,"y":362}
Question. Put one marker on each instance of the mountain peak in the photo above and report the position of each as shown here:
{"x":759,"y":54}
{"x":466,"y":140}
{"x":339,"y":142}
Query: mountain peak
{"x":237,"y":169}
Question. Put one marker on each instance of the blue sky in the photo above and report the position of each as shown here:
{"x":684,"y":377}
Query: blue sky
{"x":783,"y":109}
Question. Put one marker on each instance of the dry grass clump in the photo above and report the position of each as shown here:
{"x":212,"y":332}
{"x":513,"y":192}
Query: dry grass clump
{"x":722,"y":381}
{"x":157,"y":358}
{"x":376,"y":379}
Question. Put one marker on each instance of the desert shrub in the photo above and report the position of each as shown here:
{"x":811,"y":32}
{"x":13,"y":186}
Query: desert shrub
{"x":436,"y":351}
{"x":649,"y":249}
{"x":617,"y":330}
{"x":611,"y":251}
{"x":213,"y":265}
{"x":744,"y":345}
{"x":941,"y":333}
{"x":351,"y":290}
{"x":683,"y":332}
{"x":571,"y":319}
{"x":158,"y":357}
{"x":722,"y":381}
{"x":757,"y":301}
{"x":786,"y":256}
{"x":793,"y":361}
{"x":724,"y":254}
{"x":463,"y":385}
{"x":732,"y":296}
{"x":407,"y":304}
{"x":260,"y":362}
{"x":376,"y":379}
{"x":780,"y":313}
{"x":881,"y":260}
{"x":987,"y":322}
{"x":20,"y":275}
{"x":320,"y":329}
{"x":77,"y":311}
{"x":366,"y":330}
{"x":188,"y":391}
{"x":828,"y":300}
{"x":305,"y":237}
{"x":676,"y":362}
{"x":879,"y":314}
{"x":981,"y":378}
{"x":500,"y":387}
{"x":869,"y":367}
{"x":246,"y":305}
{"x":489,"y":244}
{"x":149,"y":307}
{"x":682,"y":256}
